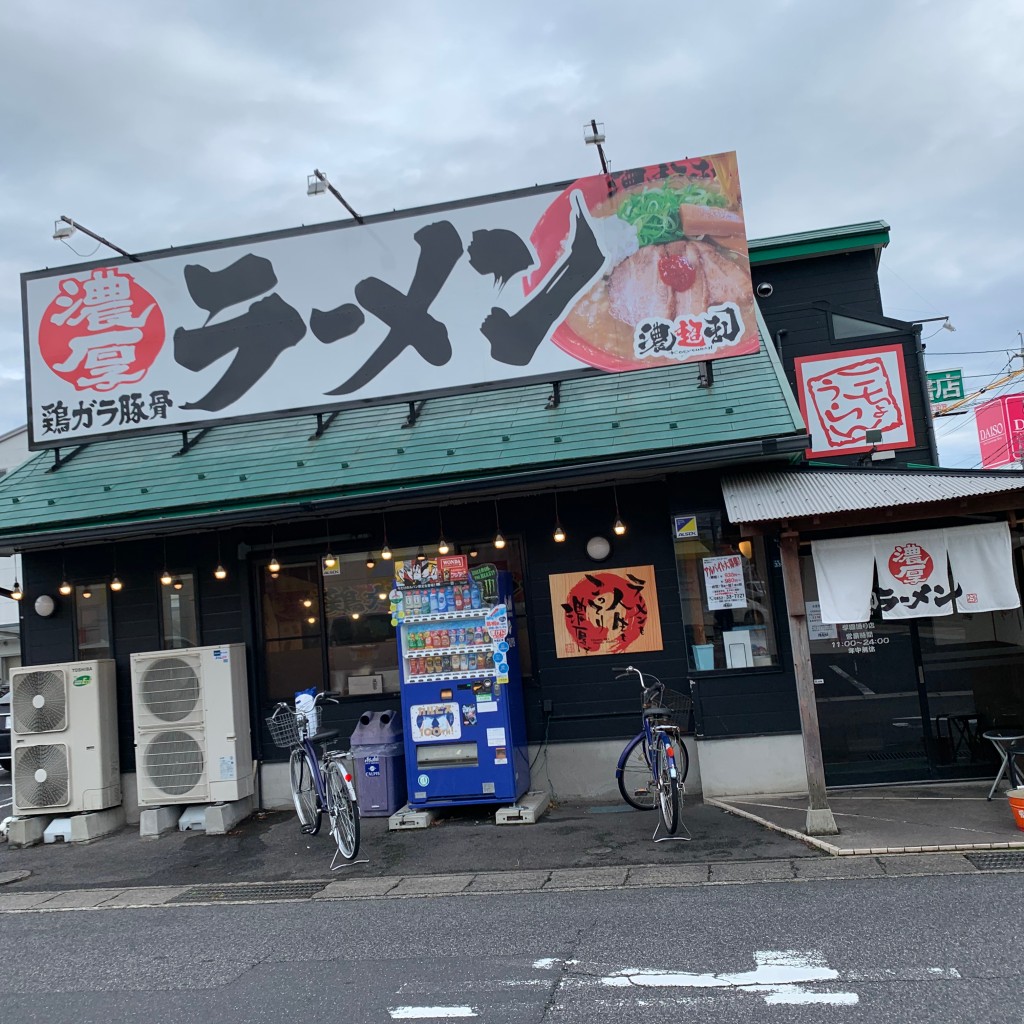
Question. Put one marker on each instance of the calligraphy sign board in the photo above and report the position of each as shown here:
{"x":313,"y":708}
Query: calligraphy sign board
{"x":611,"y":611}
{"x":627,"y":271}
{"x":843,"y":395}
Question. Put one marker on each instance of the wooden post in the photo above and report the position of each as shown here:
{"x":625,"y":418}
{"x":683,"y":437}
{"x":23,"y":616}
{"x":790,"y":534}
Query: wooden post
{"x":820,"y":820}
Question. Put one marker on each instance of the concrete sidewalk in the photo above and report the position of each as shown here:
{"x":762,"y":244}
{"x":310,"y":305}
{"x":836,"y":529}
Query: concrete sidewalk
{"x":894,"y":819}
{"x":572,"y":846}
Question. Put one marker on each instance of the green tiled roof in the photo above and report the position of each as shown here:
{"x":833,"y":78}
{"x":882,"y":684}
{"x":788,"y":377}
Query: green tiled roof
{"x":873,"y":234}
{"x":488,"y":434}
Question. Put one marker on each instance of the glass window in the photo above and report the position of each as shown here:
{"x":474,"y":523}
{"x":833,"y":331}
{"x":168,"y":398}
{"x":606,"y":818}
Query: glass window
{"x":92,"y":622}
{"x":361,"y":642}
{"x":178,"y":612}
{"x":292,"y":633}
{"x":725,"y":597}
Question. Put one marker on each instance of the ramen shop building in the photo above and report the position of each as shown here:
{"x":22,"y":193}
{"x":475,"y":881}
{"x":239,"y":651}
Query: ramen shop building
{"x":444,"y":404}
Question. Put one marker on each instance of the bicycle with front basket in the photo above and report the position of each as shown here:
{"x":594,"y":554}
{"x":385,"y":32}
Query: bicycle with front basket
{"x":653,"y":765}
{"x":318,"y":782}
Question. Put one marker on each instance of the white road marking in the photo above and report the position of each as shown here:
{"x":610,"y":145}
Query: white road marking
{"x":780,"y":977}
{"x":430,"y":1012}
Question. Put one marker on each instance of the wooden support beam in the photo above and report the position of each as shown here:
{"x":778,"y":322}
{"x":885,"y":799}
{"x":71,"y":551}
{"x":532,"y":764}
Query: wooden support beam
{"x":820,"y":820}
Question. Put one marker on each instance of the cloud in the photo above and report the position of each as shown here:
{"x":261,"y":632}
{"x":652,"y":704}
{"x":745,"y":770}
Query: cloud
{"x":168,"y":123}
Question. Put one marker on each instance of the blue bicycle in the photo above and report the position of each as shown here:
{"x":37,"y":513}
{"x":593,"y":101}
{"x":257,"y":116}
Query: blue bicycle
{"x":653,"y":765}
{"x":318,"y":783}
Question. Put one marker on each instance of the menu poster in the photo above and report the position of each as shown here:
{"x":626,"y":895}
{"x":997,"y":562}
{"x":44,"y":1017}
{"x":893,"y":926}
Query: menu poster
{"x":724,"y":582}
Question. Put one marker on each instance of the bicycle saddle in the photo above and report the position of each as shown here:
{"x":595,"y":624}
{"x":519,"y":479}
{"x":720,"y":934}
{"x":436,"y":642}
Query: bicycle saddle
{"x":324,"y":736}
{"x":657,"y":712}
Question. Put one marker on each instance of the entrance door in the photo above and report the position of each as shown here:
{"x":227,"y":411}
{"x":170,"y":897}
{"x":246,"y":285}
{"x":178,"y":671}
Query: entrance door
{"x":872,"y":710}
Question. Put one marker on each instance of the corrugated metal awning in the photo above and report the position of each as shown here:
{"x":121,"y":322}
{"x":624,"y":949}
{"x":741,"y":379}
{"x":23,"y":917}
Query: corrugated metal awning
{"x":772,"y":497}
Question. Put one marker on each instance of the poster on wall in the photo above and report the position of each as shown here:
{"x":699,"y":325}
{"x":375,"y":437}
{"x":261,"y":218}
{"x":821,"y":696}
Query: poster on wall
{"x":724,"y":582}
{"x":636,"y":269}
{"x":843,"y":395}
{"x":612,"y":611}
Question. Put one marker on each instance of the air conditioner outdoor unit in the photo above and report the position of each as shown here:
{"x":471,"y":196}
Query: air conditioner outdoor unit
{"x":64,"y":738}
{"x":192,"y":741}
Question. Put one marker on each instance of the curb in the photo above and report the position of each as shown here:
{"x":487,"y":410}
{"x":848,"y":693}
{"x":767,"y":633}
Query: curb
{"x":498,"y":883}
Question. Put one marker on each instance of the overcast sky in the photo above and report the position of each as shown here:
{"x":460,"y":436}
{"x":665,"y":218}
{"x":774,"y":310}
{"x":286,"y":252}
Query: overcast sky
{"x":166,"y":123}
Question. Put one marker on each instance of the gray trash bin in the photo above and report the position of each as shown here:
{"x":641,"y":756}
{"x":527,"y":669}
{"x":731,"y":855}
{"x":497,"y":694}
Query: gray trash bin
{"x":378,"y":756}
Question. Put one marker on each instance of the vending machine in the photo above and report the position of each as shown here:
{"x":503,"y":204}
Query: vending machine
{"x":462,"y":696}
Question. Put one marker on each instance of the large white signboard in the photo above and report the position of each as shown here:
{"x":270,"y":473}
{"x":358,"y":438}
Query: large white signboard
{"x":627,"y":271}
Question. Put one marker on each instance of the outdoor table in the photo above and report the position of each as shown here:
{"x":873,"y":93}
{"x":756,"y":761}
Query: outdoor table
{"x":1003,"y":740}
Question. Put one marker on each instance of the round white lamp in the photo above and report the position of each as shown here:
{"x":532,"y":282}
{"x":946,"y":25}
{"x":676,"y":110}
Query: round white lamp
{"x":598,"y":548}
{"x":44,"y":605}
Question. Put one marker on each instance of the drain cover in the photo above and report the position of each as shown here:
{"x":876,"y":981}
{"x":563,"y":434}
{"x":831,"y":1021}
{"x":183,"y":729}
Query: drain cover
{"x":997,"y":860}
{"x":255,"y":891}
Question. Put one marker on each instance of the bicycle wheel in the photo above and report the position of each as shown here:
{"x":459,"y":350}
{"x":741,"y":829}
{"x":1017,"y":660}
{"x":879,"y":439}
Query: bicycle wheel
{"x":668,"y":786}
{"x":304,"y":796}
{"x":634,"y":776}
{"x":342,"y":811}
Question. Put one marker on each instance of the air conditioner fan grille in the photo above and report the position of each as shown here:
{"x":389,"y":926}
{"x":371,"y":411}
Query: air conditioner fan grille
{"x":174,"y":762}
{"x":169,"y":689}
{"x":39,"y":702}
{"x":42,"y":775}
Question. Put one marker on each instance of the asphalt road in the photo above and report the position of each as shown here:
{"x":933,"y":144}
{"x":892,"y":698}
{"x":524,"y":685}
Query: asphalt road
{"x":906,"y":949}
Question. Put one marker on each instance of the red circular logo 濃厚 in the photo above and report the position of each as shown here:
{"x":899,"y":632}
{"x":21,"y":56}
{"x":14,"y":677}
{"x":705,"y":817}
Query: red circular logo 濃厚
{"x":102,"y":332}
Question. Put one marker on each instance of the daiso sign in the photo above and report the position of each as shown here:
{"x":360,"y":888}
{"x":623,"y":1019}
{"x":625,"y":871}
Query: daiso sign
{"x":1001,"y":430}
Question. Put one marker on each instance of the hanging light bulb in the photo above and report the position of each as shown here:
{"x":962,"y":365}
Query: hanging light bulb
{"x":420,"y":555}
{"x":312,"y":620}
{"x":499,"y":540}
{"x":86,"y":593}
{"x":65,"y":588}
{"x":370,"y":560}
{"x":473,"y":553}
{"x":307,"y":603}
{"x":115,"y":582}
{"x":620,"y":527}
{"x":386,"y":554}
{"x":220,"y":573}
{"x":166,"y":578}
{"x":355,"y":615}
{"x":559,"y":534}
{"x":274,"y":567}
{"x":442,"y":545}
{"x":16,"y":591}
{"x":382,"y":595}
{"x":330,"y":561}
{"x":177,"y":584}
